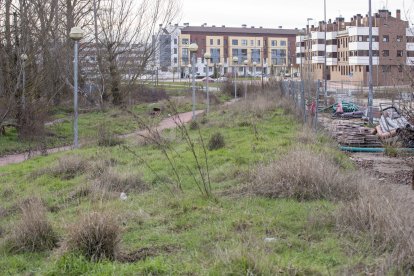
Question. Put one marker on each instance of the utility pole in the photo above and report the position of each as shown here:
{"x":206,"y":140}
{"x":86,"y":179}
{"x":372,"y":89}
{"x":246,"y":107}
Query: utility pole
{"x":370,"y":87}
{"x":324,"y":68}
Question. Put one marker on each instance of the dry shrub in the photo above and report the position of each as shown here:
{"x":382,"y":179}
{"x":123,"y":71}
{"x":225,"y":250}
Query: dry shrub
{"x":216,"y":141}
{"x":68,"y":167}
{"x":107,"y":138}
{"x":96,"y":236}
{"x":110,"y":180}
{"x":33,"y":233}
{"x":307,"y":136}
{"x":256,"y":105}
{"x":304,"y":175}
{"x":383,"y":216}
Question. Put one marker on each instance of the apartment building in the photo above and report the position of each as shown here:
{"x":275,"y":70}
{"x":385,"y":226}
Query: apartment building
{"x":347,"y":50}
{"x":271,"y":51}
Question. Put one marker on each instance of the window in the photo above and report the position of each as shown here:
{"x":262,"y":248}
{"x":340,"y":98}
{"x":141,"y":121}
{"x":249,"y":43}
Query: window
{"x":399,"y":38}
{"x":218,"y":41}
{"x":252,"y":43}
{"x":255,"y":55}
{"x":244,"y":42}
{"x":175,"y":41}
{"x":386,"y":68}
{"x":185,"y":41}
{"x":211,"y":42}
{"x":283,"y":43}
{"x":279,"y":57}
{"x":234,"y":42}
{"x":400,"y":53}
{"x":385,"y":38}
{"x":274,"y":43}
{"x":175,"y":51}
{"x":175,"y":60}
{"x":185,"y":55}
{"x":258,"y":43}
{"x":215,"y":55}
{"x":385,"y":53}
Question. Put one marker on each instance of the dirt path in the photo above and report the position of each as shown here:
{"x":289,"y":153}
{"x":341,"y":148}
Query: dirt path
{"x":164,"y":124}
{"x":386,"y":169}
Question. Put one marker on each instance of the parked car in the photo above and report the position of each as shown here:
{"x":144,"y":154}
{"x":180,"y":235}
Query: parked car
{"x":222,"y":79}
{"x":208,"y":79}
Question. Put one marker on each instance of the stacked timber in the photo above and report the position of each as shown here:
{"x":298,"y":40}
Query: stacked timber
{"x":354,"y":134}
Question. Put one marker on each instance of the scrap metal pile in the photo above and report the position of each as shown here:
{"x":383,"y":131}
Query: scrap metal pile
{"x":394,"y":127}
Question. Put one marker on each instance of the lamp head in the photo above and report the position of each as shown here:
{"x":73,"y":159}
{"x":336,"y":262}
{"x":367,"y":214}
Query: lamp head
{"x":207,"y":56}
{"x":76,"y":33}
{"x":255,"y":64}
{"x":246,"y":62}
{"x":235,"y":59}
{"x":193,"y":47}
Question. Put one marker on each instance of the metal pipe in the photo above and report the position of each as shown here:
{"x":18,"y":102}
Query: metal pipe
{"x":373,"y":150}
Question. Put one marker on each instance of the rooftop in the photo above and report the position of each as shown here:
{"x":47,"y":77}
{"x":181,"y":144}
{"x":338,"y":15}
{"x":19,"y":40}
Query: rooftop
{"x":244,"y":30}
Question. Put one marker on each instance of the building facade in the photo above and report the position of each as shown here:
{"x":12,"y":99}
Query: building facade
{"x":347,"y":50}
{"x":271,"y":51}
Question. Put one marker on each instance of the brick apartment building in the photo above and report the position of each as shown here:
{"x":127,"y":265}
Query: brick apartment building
{"x":347,"y":50}
{"x":272,"y":50}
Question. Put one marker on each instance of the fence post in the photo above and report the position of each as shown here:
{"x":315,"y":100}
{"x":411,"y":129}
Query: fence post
{"x":303,"y":100}
{"x":317,"y":106}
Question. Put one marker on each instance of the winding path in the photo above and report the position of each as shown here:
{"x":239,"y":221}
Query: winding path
{"x":167,"y":123}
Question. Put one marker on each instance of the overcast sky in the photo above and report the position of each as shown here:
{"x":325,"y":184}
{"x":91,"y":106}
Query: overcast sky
{"x":274,"y":13}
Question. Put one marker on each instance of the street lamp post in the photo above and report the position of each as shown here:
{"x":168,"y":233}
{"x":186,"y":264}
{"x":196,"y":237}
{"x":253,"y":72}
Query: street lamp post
{"x":235,"y":61}
{"x":370,"y":85}
{"x":309,"y":59}
{"x":76,"y":34}
{"x":246,"y":63}
{"x":23,"y":58}
{"x":254,"y":69}
{"x":207,"y":57}
{"x":193,"y":49}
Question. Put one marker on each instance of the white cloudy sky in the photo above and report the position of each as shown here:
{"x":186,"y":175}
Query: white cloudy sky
{"x":274,"y":13}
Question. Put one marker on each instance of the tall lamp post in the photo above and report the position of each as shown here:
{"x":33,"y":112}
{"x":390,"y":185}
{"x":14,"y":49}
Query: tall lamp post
{"x":235,"y":61}
{"x":76,"y":34}
{"x":254,"y":69}
{"x":193,"y":49}
{"x":23,"y":58}
{"x":246,"y":63}
{"x":207,"y":57}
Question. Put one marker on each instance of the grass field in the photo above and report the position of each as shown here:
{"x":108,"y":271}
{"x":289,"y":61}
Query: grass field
{"x":172,"y":232}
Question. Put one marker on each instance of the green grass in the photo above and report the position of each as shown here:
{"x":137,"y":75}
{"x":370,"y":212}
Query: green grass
{"x":222,"y":236}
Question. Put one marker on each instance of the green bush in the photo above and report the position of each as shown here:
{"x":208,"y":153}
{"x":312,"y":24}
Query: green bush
{"x":216,"y":141}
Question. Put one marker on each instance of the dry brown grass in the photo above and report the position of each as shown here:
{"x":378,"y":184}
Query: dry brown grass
{"x":33,"y":233}
{"x":111,"y":180}
{"x":67,"y":167}
{"x":96,"y":236}
{"x":303,"y":174}
{"x":383,"y":220}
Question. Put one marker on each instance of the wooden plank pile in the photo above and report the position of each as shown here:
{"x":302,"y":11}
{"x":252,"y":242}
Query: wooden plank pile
{"x":354,"y":134}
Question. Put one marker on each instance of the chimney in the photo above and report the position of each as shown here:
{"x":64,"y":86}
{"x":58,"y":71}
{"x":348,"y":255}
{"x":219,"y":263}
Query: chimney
{"x":252,"y":27}
{"x":261,"y":27}
{"x":244,"y":26}
{"x":213,"y":26}
{"x":280,"y":27}
{"x":399,"y":14}
{"x":307,"y":28}
{"x":186,"y":24}
{"x":223,"y":26}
